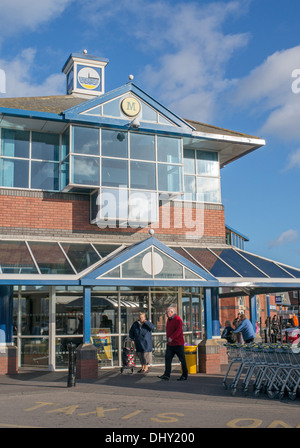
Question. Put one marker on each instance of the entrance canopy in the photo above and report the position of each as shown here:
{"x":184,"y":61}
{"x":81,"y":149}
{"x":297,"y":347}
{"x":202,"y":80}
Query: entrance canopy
{"x":146,"y":263}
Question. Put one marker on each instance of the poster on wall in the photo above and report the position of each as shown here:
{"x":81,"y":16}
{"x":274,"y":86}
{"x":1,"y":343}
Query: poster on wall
{"x":102,"y":341}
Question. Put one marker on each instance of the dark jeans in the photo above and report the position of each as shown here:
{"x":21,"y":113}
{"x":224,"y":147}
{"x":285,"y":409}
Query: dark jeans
{"x":173,"y":350}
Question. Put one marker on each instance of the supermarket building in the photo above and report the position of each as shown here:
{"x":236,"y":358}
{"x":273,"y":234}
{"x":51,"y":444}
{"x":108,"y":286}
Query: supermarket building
{"x":111,"y":204}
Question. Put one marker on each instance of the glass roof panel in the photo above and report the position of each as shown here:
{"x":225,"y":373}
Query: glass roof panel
{"x":81,"y":255}
{"x":15,"y":258}
{"x":50,"y":258}
{"x":105,"y":249}
{"x":238,"y":263}
{"x":292,"y":271}
{"x":210,"y":262}
{"x":268,"y":267}
{"x":165,"y":267}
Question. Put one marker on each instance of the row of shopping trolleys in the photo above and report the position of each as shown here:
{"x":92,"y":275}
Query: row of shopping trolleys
{"x":270,"y":369}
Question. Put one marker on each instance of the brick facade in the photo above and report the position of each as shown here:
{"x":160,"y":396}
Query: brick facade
{"x":25,"y":213}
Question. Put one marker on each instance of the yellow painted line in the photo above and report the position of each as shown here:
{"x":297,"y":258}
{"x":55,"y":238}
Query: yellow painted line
{"x":126,"y":417}
{"x":8,"y":425}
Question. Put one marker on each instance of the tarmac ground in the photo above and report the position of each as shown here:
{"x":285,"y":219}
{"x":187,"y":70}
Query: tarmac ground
{"x":121,"y":404}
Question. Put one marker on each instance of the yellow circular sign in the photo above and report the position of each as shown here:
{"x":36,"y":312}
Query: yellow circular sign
{"x":130,"y":106}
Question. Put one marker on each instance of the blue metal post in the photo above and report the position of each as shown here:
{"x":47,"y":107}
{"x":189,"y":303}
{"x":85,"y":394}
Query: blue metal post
{"x":87,"y":315}
{"x":253,"y":310}
{"x":207,"y":312}
{"x":6,"y":314}
{"x":215,"y":309}
{"x":268,"y":306}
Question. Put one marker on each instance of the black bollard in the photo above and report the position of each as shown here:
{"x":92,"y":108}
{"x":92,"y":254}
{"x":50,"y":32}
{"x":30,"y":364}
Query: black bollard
{"x":71,"y":374}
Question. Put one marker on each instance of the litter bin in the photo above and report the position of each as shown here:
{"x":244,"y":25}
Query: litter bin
{"x":190,"y":352}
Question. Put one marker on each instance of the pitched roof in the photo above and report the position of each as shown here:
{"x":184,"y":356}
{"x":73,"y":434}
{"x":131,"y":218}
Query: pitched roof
{"x":59,"y":103}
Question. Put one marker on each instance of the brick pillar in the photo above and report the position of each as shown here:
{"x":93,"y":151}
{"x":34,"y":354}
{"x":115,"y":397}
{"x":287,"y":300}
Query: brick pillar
{"x":209,"y":357}
{"x":8,"y":360}
{"x":86,"y":362}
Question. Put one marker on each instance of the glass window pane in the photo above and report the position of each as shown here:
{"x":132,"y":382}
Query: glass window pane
{"x":50,"y":258}
{"x":114,"y":143}
{"x":165,"y":267}
{"x":169,"y":178}
{"x":137,"y":267}
{"x":14,"y":173}
{"x":65,"y":173}
{"x":190,"y":188}
{"x":148,"y":114}
{"x":96,"y":111}
{"x":65,"y":147}
{"x":142,"y":146}
{"x":85,"y":140}
{"x":208,"y":189}
{"x":81,"y":255}
{"x":45,"y":146}
{"x":143,"y":175}
{"x":112,"y":108}
{"x":189,"y":162}
{"x":169,"y":149}
{"x":114,"y":173}
{"x":113,"y":204}
{"x":143,"y":207}
{"x":105,"y":249}
{"x":15,"y":143}
{"x":15,"y":258}
{"x":85,"y":170}
{"x":45,"y":175}
{"x":207,"y":163}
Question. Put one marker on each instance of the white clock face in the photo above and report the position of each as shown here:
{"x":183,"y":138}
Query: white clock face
{"x":88,"y":78}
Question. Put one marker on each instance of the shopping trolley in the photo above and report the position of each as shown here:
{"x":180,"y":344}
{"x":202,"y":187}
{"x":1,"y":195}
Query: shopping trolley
{"x":234,"y":357}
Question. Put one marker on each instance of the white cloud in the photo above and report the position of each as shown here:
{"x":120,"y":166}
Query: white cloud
{"x":286,"y":237}
{"x":293,"y":160}
{"x":19,"y":78}
{"x":192,"y":51}
{"x":268,"y":90}
{"x":18,"y":15}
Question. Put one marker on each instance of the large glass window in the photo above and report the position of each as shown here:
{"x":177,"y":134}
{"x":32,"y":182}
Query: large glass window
{"x":85,"y":140}
{"x":15,"y":143}
{"x":45,"y":175}
{"x":142,"y":146}
{"x":142,"y":175}
{"x":14,"y":173}
{"x":201,"y":175}
{"x":169,"y":150}
{"x":85,"y":170}
{"x":114,"y":173}
{"x":169,"y":178}
{"x":45,"y":146}
{"x":114,"y":143}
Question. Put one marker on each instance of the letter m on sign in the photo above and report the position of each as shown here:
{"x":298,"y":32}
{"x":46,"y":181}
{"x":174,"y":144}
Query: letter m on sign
{"x":2,"y":81}
{"x":130,"y":106}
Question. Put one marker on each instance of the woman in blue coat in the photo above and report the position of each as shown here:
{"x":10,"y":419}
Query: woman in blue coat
{"x":141,"y":333}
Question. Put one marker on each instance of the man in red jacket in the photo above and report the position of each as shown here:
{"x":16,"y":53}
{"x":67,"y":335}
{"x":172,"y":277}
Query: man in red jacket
{"x":175,"y":345}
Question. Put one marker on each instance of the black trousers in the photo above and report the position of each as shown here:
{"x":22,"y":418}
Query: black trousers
{"x":171,"y":351}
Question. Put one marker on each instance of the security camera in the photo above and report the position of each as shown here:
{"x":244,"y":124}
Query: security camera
{"x":135,"y":124}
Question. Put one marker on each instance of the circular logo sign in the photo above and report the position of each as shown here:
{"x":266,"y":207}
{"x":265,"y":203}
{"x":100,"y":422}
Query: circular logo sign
{"x":88,"y":78}
{"x":157,"y":260}
{"x":130,"y":106}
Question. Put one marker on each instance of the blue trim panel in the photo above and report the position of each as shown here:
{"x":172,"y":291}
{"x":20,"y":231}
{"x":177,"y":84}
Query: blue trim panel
{"x":31,"y":114}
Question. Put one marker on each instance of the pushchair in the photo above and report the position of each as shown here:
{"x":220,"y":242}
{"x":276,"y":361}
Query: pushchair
{"x":128,"y":356}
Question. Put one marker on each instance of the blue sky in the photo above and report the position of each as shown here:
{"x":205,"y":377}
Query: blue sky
{"x":226,"y":63}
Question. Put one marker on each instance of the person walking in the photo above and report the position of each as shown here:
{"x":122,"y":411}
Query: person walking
{"x":141,"y":333}
{"x":246,"y":328}
{"x":175,"y":345}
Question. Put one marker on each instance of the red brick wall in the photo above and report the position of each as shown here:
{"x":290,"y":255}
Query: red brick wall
{"x":74,"y":215}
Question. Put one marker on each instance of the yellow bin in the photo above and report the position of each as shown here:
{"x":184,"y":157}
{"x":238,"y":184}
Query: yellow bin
{"x":190,"y":352}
